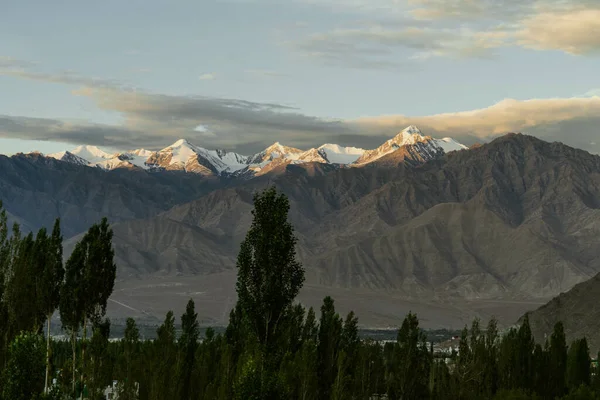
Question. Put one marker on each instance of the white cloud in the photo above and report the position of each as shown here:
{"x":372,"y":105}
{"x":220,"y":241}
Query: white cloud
{"x":575,"y":32}
{"x":156,"y":120}
{"x":458,"y":28}
{"x":574,"y":121}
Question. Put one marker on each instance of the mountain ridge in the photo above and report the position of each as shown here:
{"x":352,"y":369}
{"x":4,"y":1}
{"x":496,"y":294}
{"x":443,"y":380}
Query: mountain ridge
{"x":182,"y":155}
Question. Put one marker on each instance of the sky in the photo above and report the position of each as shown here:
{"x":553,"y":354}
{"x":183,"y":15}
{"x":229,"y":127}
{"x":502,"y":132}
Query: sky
{"x":241,"y":74}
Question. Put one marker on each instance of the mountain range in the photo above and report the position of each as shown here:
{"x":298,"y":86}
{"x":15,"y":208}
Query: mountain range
{"x":184,"y":156}
{"x":493,"y":230}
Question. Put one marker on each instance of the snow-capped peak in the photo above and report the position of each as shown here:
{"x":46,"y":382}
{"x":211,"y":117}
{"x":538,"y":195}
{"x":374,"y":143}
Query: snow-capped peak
{"x":141,"y":152}
{"x":280,"y":149}
{"x":68,"y":157}
{"x":409,"y":135}
{"x":336,"y":154}
{"x":275,"y":151}
{"x":412,"y":129}
{"x":90,"y":153}
{"x":178,"y":144}
{"x":449,"y":144}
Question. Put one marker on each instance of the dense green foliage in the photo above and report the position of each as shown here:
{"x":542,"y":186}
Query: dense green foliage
{"x":271,"y":349}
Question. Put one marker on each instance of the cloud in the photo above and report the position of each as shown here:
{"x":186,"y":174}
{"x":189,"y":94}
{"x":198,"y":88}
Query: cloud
{"x":574,"y":121}
{"x":467,"y":10}
{"x":575,"y":32}
{"x":7,"y":62}
{"x":338,"y":48}
{"x":374,"y":46}
{"x":207,"y":77}
{"x":65,"y":77}
{"x":155,"y":120}
{"x":456,"y":28}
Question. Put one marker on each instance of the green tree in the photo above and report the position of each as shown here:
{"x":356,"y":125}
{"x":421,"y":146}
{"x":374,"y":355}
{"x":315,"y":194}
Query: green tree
{"x":557,"y":361}
{"x":5,"y":260}
{"x":541,"y":370}
{"x":330,"y":328}
{"x":525,"y":349}
{"x":130,"y":354}
{"x":23,"y":377}
{"x":491,"y":364}
{"x":410,"y":377}
{"x":71,"y":303}
{"x":23,"y":283}
{"x":99,"y":370}
{"x":578,"y":364}
{"x":166,"y":357}
{"x":310,"y":330}
{"x":347,"y":360}
{"x":52,"y":278}
{"x":188,"y":343}
{"x":583,"y":392}
{"x":99,"y":273}
{"x":305,"y":371}
{"x":269,"y":277}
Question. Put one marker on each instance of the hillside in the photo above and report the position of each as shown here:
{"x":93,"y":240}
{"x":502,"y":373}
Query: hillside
{"x":577,"y":309}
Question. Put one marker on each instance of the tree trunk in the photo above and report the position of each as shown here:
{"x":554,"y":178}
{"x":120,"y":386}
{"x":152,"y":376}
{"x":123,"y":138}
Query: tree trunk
{"x":47,"y":355}
{"x":74,"y":358}
{"x":83,"y":344}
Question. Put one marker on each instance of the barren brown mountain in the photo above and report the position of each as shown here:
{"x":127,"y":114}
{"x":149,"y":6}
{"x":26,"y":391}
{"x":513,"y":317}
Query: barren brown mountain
{"x":577,"y":309}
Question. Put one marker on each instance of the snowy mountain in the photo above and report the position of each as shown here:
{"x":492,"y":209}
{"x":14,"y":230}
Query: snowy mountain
{"x":69,"y":157}
{"x":411,"y":136}
{"x":92,"y":154}
{"x":185,"y":156}
{"x":275,"y":151}
{"x":336,"y":154}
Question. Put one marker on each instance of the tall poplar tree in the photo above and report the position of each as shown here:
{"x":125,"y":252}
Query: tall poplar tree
{"x":269,"y":277}
{"x":330,"y":330}
{"x":188,"y":342}
{"x":412,"y":359}
{"x":557,"y":361}
{"x":71,"y":304}
{"x":166,"y":353}
{"x":52,"y":275}
{"x":130,"y":352}
{"x":23,"y":284}
{"x":578,"y":364}
{"x":98,"y":275}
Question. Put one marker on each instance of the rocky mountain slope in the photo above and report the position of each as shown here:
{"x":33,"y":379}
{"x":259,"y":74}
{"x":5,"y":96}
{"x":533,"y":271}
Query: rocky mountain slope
{"x":35,"y":190}
{"x":577,"y":309}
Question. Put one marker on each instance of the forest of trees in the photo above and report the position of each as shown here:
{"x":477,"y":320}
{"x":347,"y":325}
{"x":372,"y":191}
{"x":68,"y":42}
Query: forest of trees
{"x":273,"y":348}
